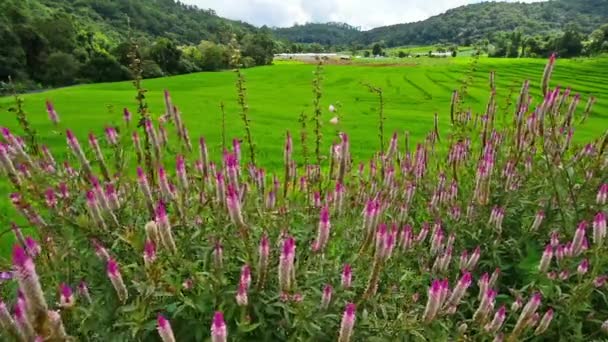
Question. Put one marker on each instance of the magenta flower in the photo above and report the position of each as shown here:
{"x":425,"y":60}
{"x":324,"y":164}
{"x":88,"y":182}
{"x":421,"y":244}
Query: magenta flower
{"x":407,"y":237}
{"x":602,"y":194}
{"x":545,"y":261}
{"x":111,"y":135}
{"x":112,"y":197}
{"x":264,"y":252}
{"x":554,"y":239}
{"x":164,"y":329}
{"x":496,"y":323}
{"x":181,"y":172}
{"x":6,"y":320}
{"x":219,"y":332}
{"x":578,"y":239}
{"x":473,"y":259}
{"x":164,"y":228}
{"x":50,"y":109}
{"x":233,"y":203}
{"x":245,"y":276}
{"x":286,"y":261}
{"x":77,"y":150}
{"x":326,"y":296}
{"x":486,"y":305}
{"x":599,"y":228}
{"x":66,"y":298}
{"x":116,"y":279}
{"x":544,"y":322}
{"x":50,"y":199}
{"x":583,"y":267}
{"x":95,"y":210}
{"x":538,"y":220}
{"x":163,"y":183}
{"x":149,"y":252}
{"x":22,"y":322}
{"x":434,"y":301}
{"x":25,"y":273}
{"x":347,"y":276}
{"x":528,"y":311}
{"x":126,"y":115}
{"x":348,"y":323}
{"x":460,"y":289}
{"x":323,"y":230}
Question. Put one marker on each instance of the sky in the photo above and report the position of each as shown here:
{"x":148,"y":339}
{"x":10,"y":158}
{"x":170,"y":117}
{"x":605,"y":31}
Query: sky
{"x":365,"y":14}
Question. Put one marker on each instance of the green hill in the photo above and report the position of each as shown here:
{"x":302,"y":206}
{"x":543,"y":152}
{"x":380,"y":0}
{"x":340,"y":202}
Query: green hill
{"x":463,"y":25}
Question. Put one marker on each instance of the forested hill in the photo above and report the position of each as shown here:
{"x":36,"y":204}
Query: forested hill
{"x":61,"y":42}
{"x":464,"y":24}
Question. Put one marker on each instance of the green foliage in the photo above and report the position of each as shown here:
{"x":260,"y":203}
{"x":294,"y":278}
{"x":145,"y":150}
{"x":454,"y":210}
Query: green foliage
{"x":61,"y":69}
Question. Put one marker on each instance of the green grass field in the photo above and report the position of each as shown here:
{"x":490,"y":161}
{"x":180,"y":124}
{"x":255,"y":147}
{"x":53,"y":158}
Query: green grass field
{"x":277,"y":94}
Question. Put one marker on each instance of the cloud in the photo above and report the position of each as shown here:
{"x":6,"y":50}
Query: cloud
{"x":363,"y":13}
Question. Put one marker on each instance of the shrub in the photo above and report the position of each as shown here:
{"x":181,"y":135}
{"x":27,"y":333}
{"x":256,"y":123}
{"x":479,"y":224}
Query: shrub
{"x":487,"y":239}
{"x":61,"y":69}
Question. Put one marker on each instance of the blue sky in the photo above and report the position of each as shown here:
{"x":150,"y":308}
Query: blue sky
{"x":364,"y":13}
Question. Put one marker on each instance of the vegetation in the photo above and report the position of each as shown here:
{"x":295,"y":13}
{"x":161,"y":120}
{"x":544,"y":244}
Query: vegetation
{"x":477,"y":231}
{"x":463,"y":25}
{"x":58,"y":42}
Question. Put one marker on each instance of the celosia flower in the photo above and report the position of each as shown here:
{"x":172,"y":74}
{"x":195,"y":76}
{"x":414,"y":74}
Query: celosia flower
{"x":496,"y":323}
{"x":50,"y":199}
{"x":544,"y":322}
{"x":348,"y":323}
{"x":50,"y":109}
{"x":264,"y":252}
{"x":407,"y":237}
{"x":579,"y":237}
{"x":163,"y":183}
{"x":602,"y":194}
{"x":528,"y":312}
{"x":100,"y":250}
{"x":83,"y":290}
{"x":116,"y":279}
{"x":144,"y":186}
{"x":545,"y":261}
{"x":77,"y":150}
{"x":473,"y":259}
{"x":460,"y":289}
{"x":218,"y":328}
{"x":424,"y":231}
{"x":164,"y":329}
{"x":153,"y":138}
{"x":22,"y":322}
{"x":286,"y":263}
{"x":323,"y":230}
{"x":149,"y":252}
{"x":126,"y":115}
{"x":434,"y":301}
{"x":241,"y":294}
{"x":6,"y":320}
{"x":32,"y":247}
{"x":486,"y":305}
{"x":326,"y":296}
{"x":25,"y":273}
{"x":112,"y":197}
{"x":94,"y":209}
{"x":181,"y":172}
{"x":538,"y":220}
{"x":583,"y":267}
{"x":66,"y":298}
{"x":245,"y":276}
{"x":111,"y":135}
{"x":164,"y":228}
{"x":234,"y":206}
{"x":599,"y":228}
{"x":334,"y":120}
{"x":347,"y":276}
{"x":152,"y":232}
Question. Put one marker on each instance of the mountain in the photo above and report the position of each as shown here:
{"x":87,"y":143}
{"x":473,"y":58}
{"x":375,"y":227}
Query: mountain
{"x":464,"y":24}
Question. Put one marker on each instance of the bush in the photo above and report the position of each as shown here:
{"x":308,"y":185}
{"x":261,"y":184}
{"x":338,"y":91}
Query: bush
{"x":150,"y":69}
{"x":471,"y":235}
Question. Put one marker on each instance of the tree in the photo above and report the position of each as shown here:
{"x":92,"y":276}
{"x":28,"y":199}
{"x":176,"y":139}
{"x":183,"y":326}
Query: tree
{"x":401,"y":54}
{"x":377,"y":49}
{"x":259,"y":47}
{"x":61,"y":69}
{"x":166,"y":54}
{"x":570,"y":43}
{"x":215,"y":56}
{"x":103,"y":67}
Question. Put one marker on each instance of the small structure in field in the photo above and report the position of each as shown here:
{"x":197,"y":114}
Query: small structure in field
{"x":310,"y":57}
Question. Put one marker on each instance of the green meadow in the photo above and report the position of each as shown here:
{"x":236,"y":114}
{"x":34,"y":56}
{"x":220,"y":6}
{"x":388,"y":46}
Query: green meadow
{"x":414,"y":89}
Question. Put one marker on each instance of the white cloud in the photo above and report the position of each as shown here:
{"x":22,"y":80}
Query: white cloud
{"x":364,"y":13}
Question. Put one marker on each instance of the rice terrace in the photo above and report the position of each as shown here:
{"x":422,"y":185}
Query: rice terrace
{"x":174,"y":173}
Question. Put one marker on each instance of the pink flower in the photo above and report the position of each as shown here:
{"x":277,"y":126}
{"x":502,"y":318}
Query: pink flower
{"x":544,"y":322}
{"x":246,"y":276}
{"x":50,"y":109}
{"x":126,"y":115}
{"x":233,"y":203}
{"x":599,"y":228}
{"x":602,"y":194}
{"x":434,"y":300}
{"x":83,"y":290}
{"x":218,"y":328}
{"x":348,"y":323}
{"x":486,"y":305}
{"x":474,"y":259}
{"x":545,"y":261}
{"x":181,"y":172}
{"x":241,"y":294}
{"x":583,"y":267}
{"x":286,"y":263}
{"x":111,"y":135}
{"x":66,"y":298}
{"x":499,"y":317}
{"x":578,"y":239}
{"x":460,"y":289}
{"x":116,"y":279}
{"x":25,"y":273}
{"x":149,"y":252}
{"x":334,"y":120}
{"x":164,"y":329}
{"x":323,"y":230}
{"x":347,"y":275}
{"x":326,"y":296}
{"x":164,"y":228}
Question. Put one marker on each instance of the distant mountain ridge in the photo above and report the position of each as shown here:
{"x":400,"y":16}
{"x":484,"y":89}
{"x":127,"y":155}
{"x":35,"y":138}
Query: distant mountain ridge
{"x":462,"y":25}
